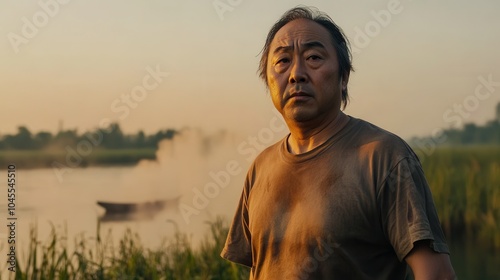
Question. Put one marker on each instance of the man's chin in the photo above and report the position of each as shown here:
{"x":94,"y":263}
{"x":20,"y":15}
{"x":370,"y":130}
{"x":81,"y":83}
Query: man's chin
{"x":301,"y":116}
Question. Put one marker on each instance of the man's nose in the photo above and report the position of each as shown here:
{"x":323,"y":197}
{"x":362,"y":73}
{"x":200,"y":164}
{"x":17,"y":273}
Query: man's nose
{"x":298,"y":72}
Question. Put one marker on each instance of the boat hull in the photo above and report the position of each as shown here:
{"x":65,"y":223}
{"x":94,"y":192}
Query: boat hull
{"x":122,"y":209}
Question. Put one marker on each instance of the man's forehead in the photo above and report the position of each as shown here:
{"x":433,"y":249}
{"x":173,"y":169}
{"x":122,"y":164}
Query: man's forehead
{"x":301,"y":31}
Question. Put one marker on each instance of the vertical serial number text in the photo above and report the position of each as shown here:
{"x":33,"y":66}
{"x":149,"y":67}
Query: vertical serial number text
{"x":11,"y":217}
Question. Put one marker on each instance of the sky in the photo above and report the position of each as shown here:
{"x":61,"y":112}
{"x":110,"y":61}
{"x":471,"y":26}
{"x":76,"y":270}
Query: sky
{"x":421,"y":66}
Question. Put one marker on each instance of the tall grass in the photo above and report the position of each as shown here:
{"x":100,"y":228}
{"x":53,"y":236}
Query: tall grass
{"x":465,"y":183}
{"x":98,"y":258}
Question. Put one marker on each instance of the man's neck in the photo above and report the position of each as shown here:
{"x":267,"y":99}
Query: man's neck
{"x":303,"y":139}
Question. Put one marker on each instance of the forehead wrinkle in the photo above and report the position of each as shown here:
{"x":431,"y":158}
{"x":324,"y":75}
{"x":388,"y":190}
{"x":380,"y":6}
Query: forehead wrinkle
{"x":305,"y":46}
{"x":303,"y":36}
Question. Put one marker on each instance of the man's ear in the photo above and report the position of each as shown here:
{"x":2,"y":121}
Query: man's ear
{"x":344,"y":79}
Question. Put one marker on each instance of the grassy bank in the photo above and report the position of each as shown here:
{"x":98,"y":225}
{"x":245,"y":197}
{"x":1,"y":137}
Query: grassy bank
{"x":465,"y":184}
{"x":102,"y":258}
{"x":46,"y":158}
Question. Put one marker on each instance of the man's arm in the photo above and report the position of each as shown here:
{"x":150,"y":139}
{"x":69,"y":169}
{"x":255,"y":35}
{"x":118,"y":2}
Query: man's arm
{"x":429,"y":265}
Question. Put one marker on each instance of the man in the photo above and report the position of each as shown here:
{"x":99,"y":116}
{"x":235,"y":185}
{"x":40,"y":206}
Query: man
{"x":338,"y":198}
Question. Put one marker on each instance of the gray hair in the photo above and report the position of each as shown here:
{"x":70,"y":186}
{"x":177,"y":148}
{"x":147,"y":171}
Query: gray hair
{"x":339,"y":40}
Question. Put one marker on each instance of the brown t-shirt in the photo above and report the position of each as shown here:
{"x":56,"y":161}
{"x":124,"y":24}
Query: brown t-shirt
{"x":349,"y":209}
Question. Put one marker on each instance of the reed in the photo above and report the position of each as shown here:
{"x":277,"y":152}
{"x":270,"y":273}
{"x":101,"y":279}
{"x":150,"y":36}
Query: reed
{"x":465,"y":183}
{"x":99,"y":258}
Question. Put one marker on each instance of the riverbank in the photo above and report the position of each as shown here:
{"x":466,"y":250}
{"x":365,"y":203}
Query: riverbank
{"x":28,"y":159}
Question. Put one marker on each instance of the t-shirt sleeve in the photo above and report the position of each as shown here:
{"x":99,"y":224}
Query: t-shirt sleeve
{"x":238,"y":247}
{"x":407,"y":209}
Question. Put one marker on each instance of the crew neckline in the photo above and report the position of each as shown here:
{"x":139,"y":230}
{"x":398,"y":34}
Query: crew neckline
{"x":294,"y":158}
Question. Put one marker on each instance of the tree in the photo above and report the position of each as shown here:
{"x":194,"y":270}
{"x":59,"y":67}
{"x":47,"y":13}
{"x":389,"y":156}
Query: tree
{"x":113,"y":139}
{"x":140,"y":140}
{"x":42,"y":139}
{"x":21,"y":140}
{"x":66,"y":138}
{"x":498,"y":113}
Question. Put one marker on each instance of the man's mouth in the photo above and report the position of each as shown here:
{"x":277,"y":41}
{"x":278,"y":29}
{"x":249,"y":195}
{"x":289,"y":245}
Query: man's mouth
{"x":299,"y":96}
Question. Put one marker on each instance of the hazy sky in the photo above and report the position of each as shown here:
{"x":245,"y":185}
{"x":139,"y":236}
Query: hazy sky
{"x":78,"y":62}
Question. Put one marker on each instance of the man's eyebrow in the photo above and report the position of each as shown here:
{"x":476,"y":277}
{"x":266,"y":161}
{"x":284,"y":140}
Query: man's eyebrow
{"x":282,"y":49}
{"x":307,"y":45}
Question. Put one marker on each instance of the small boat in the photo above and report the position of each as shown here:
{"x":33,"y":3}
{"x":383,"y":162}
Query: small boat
{"x":114,"y":208}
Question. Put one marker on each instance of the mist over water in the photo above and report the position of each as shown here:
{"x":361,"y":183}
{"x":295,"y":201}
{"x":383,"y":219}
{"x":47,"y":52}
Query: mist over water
{"x":205,"y":171}
{"x":184,"y":167}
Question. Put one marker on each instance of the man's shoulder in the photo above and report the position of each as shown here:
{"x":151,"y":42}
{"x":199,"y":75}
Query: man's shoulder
{"x":369,"y":136}
{"x":372,"y":130}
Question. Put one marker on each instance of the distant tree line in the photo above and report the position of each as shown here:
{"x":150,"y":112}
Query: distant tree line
{"x":470,"y":134}
{"x":109,"y":138}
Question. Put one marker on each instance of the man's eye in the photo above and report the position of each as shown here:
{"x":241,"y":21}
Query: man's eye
{"x":282,"y":60}
{"x":314,"y":57}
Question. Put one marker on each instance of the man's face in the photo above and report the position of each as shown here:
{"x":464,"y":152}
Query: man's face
{"x":303,"y":73}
